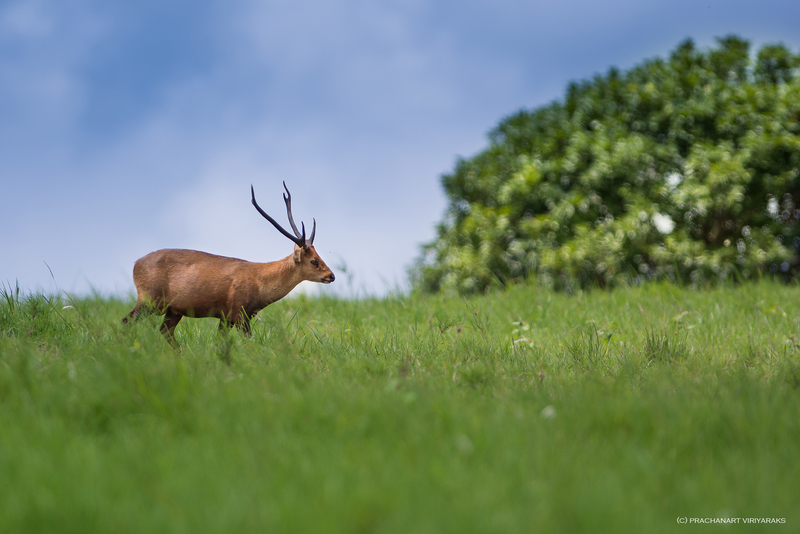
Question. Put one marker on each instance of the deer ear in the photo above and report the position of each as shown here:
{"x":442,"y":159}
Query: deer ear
{"x":298,"y":254}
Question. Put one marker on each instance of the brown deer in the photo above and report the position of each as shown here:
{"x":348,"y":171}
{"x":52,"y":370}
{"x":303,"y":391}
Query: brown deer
{"x":188,"y":283}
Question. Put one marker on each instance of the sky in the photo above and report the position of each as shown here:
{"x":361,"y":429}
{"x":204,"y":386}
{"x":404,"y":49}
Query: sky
{"x":127,"y":127}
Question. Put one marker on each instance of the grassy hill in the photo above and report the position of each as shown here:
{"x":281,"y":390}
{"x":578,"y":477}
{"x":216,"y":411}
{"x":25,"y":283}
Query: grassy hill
{"x":521,"y":411}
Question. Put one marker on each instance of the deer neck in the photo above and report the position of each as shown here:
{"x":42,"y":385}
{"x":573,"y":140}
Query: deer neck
{"x":278,"y":278}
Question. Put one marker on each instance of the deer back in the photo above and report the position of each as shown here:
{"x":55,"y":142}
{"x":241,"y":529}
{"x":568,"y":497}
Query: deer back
{"x":192,"y":282}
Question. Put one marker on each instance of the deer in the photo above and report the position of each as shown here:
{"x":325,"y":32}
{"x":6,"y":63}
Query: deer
{"x":180,"y":283}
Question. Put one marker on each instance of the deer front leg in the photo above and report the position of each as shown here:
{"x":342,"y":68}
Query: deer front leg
{"x":244,"y":324}
{"x":240,"y":320}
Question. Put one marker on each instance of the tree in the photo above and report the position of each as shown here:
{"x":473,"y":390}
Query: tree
{"x":683,"y":169}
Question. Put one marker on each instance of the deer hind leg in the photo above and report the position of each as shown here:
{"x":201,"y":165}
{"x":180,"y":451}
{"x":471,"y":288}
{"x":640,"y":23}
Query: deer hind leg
{"x":143,"y":305}
{"x":171,"y":320}
{"x":135,"y":312}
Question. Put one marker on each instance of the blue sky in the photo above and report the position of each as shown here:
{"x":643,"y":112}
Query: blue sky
{"x":126,"y":127}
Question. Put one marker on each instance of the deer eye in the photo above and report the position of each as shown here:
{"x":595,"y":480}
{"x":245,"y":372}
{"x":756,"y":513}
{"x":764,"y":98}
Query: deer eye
{"x":315,"y":263}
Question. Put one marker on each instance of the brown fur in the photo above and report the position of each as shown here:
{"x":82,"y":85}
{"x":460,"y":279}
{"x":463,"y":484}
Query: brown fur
{"x":188,"y":283}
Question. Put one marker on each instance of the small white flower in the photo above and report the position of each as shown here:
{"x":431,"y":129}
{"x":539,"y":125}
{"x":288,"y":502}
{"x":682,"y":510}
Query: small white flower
{"x":663,"y":223}
{"x":464,"y":444}
{"x":772,"y":206}
{"x":549,"y":412}
{"x":673,"y":179}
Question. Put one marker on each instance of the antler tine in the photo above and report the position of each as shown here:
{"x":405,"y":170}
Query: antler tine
{"x":288,"y":199}
{"x":300,"y":241}
{"x":313,"y":231}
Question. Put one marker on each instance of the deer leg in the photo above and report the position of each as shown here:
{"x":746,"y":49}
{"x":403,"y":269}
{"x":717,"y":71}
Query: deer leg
{"x":171,"y":320}
{"x":239,"y":319}
{"x":134,"y":313}
{"x":227,"y":321}
{"x":243,"y":324}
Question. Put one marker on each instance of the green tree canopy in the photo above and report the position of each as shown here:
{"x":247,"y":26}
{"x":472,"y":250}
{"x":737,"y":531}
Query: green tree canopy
{"x":683,"y":168}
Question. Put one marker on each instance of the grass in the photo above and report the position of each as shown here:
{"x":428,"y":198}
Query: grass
{"x":524,"y":411}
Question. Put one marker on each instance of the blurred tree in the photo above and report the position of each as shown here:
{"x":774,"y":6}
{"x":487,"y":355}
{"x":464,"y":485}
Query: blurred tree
{"x":683,"y":169}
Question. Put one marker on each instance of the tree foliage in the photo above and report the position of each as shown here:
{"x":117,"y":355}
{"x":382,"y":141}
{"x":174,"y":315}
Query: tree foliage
{"x":683,"y":168}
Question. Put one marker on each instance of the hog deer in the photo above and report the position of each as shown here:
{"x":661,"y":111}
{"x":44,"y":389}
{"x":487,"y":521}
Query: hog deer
{"x":188,"y":283}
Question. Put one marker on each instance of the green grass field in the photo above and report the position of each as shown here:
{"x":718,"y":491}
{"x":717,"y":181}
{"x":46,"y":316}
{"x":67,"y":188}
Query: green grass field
{"x":524,"y":411}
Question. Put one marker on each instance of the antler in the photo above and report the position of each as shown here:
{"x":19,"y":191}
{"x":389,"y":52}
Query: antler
{"x":299,"y":238}
{"x":288,"y":199}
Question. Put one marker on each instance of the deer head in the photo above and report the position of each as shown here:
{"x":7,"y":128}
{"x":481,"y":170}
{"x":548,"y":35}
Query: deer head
{"x":307,"y":261}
